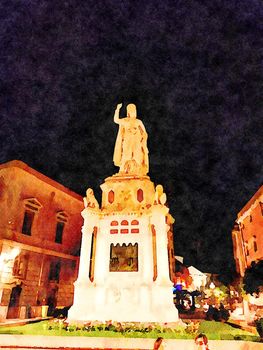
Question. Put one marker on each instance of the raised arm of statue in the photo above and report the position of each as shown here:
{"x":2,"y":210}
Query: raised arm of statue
{"x":117,"y":114}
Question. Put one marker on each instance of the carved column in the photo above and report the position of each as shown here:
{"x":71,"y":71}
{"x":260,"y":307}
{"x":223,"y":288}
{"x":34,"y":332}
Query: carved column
{"x":160,"y":226}
{"x":90,"y":224}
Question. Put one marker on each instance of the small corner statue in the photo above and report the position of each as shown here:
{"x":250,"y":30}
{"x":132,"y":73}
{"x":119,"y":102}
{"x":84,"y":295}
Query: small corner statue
{"x":90,"y":201}
{"x":131,"y":152}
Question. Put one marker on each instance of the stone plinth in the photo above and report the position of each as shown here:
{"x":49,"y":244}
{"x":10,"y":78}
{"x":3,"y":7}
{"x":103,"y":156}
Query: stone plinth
{"x":113,"y":285}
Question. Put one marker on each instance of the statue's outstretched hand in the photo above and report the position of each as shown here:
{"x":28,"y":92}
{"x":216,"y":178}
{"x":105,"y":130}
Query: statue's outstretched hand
{"x":116,"y":117}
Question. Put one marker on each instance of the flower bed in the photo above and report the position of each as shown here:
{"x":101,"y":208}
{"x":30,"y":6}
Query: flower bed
{"x":213,"y":330}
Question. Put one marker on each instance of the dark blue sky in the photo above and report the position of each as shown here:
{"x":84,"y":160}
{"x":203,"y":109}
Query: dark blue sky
{"x":194,"y":70}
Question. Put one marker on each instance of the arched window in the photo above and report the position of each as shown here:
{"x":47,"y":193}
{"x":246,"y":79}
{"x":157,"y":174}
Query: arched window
{"x":135,"y":229}
{"x":140,"y":195}
{"x":124,"y":223}
{"x":114,"y":223}
{"x":111,"y":197}
{"x":135,"y":222}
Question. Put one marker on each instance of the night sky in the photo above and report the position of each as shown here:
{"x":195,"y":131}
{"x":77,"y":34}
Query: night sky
{"x":194,"y":70}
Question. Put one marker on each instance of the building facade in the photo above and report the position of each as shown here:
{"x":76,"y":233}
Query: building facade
{"x":40,"y":234}
{"x":247,"y":233}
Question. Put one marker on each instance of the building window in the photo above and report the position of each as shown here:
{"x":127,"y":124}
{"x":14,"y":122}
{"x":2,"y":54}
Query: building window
{"x":246,"y":248}
{"x":250,"y":218}
{"x":54,"y":271}
{"x":27,"y":223}
{"x":32,"y":207}
{"x":59,"y":232}
{"x":20,"y":266}
{"x":261,"y":207}
{"x":62,"y":218}
{"x":255,"y":243}
{"x":140,"y":195}
{"x":111,"y":197}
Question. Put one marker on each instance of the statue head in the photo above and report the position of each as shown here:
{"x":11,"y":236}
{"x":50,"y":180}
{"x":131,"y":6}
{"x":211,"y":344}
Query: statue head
{"x":131,"y":111}
{"x":89,"y":192}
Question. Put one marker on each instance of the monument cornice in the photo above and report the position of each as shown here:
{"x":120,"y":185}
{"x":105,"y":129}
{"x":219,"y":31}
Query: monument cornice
{"x":120,"y":177}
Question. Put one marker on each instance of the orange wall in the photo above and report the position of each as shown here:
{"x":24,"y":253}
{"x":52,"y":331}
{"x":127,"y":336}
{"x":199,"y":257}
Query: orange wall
{"x":18,"y":185}
{"x":252,"y":225}
{"x":249,"y":229}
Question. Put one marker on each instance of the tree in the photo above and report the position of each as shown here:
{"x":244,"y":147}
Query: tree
{"x":253,"y":278}
{"x":228,"y":277}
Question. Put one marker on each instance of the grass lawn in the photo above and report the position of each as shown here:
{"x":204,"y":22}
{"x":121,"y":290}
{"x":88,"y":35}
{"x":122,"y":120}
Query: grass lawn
{"x":213,"y":330}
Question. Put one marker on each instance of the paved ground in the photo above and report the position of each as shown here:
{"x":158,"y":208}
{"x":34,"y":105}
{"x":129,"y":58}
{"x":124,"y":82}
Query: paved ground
{"x":54,"y":342}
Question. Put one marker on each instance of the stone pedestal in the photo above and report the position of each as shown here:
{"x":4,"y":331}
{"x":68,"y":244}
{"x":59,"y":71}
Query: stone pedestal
{"x":131,"y":216}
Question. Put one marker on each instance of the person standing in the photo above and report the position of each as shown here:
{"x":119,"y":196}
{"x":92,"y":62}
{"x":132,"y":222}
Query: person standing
{"x":201,"y":342}
{"x":158,"y":344}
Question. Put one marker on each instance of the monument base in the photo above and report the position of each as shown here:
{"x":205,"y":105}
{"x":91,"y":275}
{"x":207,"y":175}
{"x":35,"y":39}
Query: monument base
{"x":124,"y":265}
{"x":151,"y":304}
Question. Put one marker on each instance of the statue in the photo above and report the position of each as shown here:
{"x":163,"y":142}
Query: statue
{"x":131,"y":152}
{"x":159,"y":196}
{"x":90,"y":201}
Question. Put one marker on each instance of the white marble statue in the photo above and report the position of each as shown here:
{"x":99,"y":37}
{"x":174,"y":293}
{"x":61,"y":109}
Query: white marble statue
{"x":131,"y":152}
